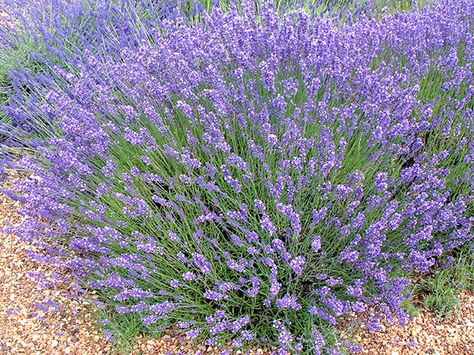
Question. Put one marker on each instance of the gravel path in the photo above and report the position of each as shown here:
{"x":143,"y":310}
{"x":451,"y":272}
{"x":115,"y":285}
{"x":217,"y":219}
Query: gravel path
{"x":34,"y":321}
{"x":30,"y":323}
{"x":425,"y":334}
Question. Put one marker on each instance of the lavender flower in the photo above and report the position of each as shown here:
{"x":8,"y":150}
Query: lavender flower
{"x":297,"y":264}
{"x":288,"y":302}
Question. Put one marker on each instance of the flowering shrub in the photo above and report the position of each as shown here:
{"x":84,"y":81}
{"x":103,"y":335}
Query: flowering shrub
{"x":43,"y":34}
{"x":254,"y":178}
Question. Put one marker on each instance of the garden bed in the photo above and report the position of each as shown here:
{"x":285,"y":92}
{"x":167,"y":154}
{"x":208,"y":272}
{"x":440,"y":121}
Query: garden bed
{"x":238,"y":176}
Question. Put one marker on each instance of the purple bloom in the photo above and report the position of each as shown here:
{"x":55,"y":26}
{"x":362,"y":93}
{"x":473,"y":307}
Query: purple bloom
{"x":174,"y":283}
{"x":219,"y":327}
{"x":189,"y":276}
{"x":297,"y":264}
{"x":255,"y":287}
{"x":318,"y":216}
{"x":193,"y":333}
{"x":201,"y":263}
{"x":316,"y":243}
{"x":318,"y":341}
{"x":162,"y":308}
{"x":381,"y":181}
{"x":214,"y":296}
{"x":293,"y":217}
{"x":288,"y":302}
{"x":238,"y":324}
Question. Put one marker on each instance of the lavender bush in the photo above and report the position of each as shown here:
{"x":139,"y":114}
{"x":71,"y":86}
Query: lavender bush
{"x":42,"y":34}
{"x":255,"y":177}
{"x":37,"y":34}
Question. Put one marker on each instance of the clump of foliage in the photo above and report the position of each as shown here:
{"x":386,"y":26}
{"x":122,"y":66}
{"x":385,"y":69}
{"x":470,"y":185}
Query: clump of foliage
{"x":439,"y":291}
{"x":253,"y":177}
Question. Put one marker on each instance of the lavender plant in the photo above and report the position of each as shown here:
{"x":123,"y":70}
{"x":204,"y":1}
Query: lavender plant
{"x":255,"y":177}
{"x":40,"y":35}
{"x":43,"y":34}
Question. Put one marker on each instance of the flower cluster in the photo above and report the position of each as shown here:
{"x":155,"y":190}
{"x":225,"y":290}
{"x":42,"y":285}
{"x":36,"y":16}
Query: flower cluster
{"x":252,"y":176}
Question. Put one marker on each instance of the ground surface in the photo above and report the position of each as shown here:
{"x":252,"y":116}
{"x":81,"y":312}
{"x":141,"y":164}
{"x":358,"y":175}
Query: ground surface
{"x":25,"y":327}
{"x":425,"y":334}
